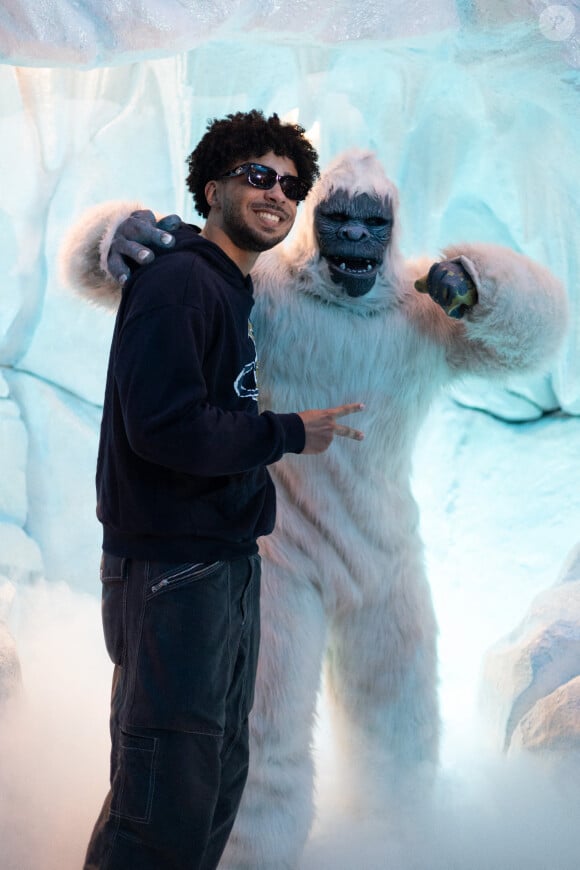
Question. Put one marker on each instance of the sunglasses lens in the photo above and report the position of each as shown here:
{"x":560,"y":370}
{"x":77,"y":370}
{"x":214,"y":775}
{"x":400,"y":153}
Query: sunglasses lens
{"x":261,"y":176}
{"x":293,"y":188}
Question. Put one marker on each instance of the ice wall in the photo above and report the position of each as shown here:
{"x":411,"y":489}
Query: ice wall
{"x":471,"y":106}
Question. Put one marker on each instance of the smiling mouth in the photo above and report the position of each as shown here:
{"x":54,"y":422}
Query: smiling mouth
{"x":270,"y":217}
{"x":357,"y":266}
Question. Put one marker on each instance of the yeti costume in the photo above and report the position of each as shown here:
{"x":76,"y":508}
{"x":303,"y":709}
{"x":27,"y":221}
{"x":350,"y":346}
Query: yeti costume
{"x":343,"y":579}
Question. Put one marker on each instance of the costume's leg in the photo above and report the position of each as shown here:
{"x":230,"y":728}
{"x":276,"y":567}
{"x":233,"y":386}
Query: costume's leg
{"x":277,"y":805}
{"x":381,"y":680}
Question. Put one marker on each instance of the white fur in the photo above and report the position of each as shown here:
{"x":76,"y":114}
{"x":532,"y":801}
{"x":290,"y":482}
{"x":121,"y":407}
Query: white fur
{"x":343,"y":575}
{"x":83,"y":258}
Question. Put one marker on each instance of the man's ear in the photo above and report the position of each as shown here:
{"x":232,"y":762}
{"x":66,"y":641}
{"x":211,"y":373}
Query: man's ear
{"x":211,"y":191}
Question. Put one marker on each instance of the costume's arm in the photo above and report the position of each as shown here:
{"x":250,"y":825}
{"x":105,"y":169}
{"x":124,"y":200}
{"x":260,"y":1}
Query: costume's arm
{"x":95,"y":252}
{"x":517,"y":320}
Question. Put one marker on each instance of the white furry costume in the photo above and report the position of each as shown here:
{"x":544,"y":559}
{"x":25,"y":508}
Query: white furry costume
{"x":343,"y":576}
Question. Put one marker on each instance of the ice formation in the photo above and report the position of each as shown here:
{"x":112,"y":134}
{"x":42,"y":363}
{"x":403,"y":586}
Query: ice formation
{"x":472,"y":107}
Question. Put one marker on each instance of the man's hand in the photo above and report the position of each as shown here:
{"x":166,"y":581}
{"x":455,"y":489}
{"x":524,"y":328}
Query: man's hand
{"x":131,"y":238}
{"x":450,"y":286}
{"x":321,"y":427}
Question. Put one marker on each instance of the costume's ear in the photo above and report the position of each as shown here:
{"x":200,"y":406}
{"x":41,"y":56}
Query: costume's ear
{"x":211,"y":191}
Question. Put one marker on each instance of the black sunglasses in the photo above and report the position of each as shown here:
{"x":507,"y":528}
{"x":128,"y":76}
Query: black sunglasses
{"x":264,"y":177}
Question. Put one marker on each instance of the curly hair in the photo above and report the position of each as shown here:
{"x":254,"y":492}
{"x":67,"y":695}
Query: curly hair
{"x":237,"y":137}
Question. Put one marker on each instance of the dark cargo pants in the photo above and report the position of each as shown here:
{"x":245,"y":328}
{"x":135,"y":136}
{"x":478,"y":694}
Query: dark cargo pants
{"x":184,"y":639}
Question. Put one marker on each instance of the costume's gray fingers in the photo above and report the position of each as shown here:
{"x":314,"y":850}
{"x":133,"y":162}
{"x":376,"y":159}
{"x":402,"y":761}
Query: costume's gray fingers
{"x":139,"y":227}
{"x":163,"y":239}
{"x":143,"y":230}
{"x":118,"y":268}
{"x":347,"y":432}
{"x":169,"y":223}
{"x":143,"y":214}
{"x":132,"y":250}
{"x":345,"y":410}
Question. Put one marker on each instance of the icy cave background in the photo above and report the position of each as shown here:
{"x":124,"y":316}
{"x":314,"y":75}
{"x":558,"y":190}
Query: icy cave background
{"x":474,"y":109}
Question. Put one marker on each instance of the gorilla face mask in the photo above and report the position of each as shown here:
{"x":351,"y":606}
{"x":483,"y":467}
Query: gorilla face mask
{"x":353,"y":233}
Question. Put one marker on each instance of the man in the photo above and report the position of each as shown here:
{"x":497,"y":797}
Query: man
{"x":183,"y":495}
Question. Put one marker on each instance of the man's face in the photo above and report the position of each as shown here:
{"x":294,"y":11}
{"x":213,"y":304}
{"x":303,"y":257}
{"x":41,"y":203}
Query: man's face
{"x":254,"y":219}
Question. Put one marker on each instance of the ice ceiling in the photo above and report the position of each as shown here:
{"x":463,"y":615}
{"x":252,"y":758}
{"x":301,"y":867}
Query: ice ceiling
{"x":69,"y":33}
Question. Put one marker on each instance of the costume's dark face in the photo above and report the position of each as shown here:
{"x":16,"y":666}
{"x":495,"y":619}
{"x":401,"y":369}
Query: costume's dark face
{"x":353,"y":233}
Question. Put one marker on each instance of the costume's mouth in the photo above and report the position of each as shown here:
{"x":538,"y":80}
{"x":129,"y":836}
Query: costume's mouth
{"x":356,"y":275}
{"x":363,"y":267}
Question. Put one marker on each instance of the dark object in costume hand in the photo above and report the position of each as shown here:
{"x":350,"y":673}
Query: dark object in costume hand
{"x":450,"y":286}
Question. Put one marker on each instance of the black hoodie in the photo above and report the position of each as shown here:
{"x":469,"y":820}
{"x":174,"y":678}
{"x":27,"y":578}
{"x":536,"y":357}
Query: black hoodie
{"x":181,"y":469}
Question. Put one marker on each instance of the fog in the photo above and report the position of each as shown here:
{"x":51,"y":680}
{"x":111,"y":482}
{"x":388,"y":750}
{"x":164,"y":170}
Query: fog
{"x":487,"y":811}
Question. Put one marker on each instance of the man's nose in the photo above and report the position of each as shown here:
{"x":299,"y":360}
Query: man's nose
{"x":275,"y":193}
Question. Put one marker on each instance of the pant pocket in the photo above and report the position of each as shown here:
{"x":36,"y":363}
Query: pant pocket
{"x":179,"y":661}
{"x":113,"y":605}
{"x":134,"y":783}
{"x":178,"y":575}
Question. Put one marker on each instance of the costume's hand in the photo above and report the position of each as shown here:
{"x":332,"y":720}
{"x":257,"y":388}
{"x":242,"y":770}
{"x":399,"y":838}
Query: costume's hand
{"x":131,"y":237}
{"x":321,"y":427}
{"x":450,"y":286}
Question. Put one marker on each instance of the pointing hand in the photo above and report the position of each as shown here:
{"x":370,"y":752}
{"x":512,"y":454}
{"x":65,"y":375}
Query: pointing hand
{"x":321,"y":427}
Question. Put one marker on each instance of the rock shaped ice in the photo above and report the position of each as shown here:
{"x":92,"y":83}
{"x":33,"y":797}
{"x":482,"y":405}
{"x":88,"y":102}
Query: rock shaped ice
{"x":10,"y":673}
{"x":531,"y":678}
{"x":553,"y":722}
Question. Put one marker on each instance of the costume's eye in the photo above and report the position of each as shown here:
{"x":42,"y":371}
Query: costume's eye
{"x":338,"y":217}
{"x":376,"y":222}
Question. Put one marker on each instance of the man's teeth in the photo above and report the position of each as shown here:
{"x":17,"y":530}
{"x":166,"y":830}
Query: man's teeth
{"x":268,"y":216}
